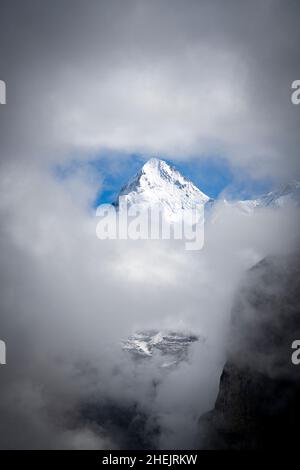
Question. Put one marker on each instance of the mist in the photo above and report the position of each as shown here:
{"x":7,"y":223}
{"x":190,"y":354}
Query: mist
{"x":68,"y":299}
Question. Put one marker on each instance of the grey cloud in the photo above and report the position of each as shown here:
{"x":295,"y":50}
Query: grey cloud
{"x":67,"y":300}
{"x":180,"y":80}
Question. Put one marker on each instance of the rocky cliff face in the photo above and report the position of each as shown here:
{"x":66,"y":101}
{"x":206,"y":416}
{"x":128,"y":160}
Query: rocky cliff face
{"x":258,"y":405}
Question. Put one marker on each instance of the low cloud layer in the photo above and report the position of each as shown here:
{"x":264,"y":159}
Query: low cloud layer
{"x":68,"y":299}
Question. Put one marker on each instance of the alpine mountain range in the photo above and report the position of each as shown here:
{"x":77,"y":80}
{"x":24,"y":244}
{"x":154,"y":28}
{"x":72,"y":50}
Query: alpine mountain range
{"x":159,"y":184}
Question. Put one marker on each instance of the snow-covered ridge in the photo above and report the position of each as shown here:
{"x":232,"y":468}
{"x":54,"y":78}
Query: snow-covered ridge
{"x":171,"y":346}
{"x":286,"y":196}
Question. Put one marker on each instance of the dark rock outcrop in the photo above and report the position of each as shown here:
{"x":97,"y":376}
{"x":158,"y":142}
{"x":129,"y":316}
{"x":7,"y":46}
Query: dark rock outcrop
{"x":258,"y":405}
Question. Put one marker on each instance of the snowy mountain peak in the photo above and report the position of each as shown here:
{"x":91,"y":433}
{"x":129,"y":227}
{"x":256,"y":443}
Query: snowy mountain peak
{"x":155,"y":173}
{"x":154,"y":164}
{"x":158,"y":183}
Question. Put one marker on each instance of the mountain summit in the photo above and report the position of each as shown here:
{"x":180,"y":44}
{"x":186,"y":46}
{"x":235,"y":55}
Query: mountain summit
{"x":158,"y":183}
